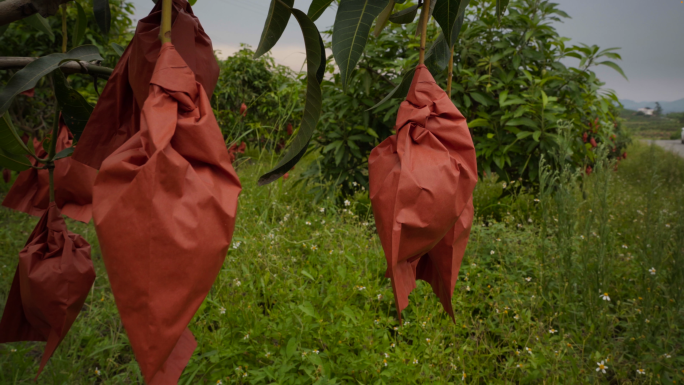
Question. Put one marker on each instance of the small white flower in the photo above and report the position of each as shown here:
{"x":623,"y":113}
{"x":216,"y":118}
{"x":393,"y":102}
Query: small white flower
{"x":316,"y":351}
{"x":640,"y":371}
{"x":667,"y":225}
{"x":428,"y":340}
{"x":222,"y":310}
{"x":384,"y":362}
{"x":308,"y":223}
{"x":424,"y":324}
{"x":379,"y":297}
{"x":498,"y":239}
{"x":377,"y":321}
{"x":605,"y":297}
{"x":536,"y":200}
{"x":407,"y":323}
{"x":354,"y":184}
{"x":364,"y":224}
{"x":468,"y":288}
{"x":244,"y":374}
{"x":268,"y":354}
{"x":553,"y":331}
{"x":625,"y":247}
{"x":492,"y":252}
{"x":237,"y":282}
{"x":219,"y":382}
{"x":236,"y":244}
{"x":601,"y":366}
{"x":529,"y":220}
{"x":314,"y":247}
{"x":581,"y":236}
{"x":415,"y":361}
{"x":517,"y":352}
{"x":667,"y":356}
{"x":347,"y":203}
{"x":361,"y":288}
{"x":322,"y":209}
{"x":246,"y":337}
{"x":652,"y":271}
{"x":528,"y":350}
{"x":464,"y":377}
{"x":528,"y":279}
{"x":504,"y":184}
{"x":516,"y":317}
{"x":97,"y":371}
{"x":392,"y":346}
{"x":323,"y":222}
{"x":13,"y":350}
{"x":386,"y":355}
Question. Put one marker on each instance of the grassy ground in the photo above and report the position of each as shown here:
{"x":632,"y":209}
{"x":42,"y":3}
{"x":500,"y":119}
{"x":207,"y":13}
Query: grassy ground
{"x":302,"y":296}
{"x":651,"y":127}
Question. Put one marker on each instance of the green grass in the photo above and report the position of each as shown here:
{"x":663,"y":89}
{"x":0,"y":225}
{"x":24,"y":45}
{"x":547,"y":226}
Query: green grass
{"x":651,"y":127}
{"x":303,"y":298}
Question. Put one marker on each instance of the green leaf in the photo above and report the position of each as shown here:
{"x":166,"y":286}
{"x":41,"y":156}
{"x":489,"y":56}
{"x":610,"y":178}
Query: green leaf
{"x":405,"y":16}
{"x":536,"y":135}
{"x":308,"y":309}
{"x":276,"y":22}
{"x":613,"y":66}
{"x":317,"y":8}
{"x":64,"y":153}
{"x":383,"y":18}
{"x":75,"y":109}
{"x":522,"y":122}
{"x":103,"y":15}
{"x":80,"y":27}
{"x":307,"y":275}
{"x":39,"y":23}
{"x":500,"y":8}
{"x":312,"y":107}
{"x":117,"y":48}
{"x":291,"y":346}
{"x":192,"y":2}
{"x":437,"y":56}
{"x":28,"y":77}
{"x":350,"y":33}
{"x":480,"y":98}
{"x":14,"y":162}
{"x":10,"y":141}
{"x":478,"y":123}
{"x":545,"y":99}
{"x":399,"y":91}
{"x":446,"y":14}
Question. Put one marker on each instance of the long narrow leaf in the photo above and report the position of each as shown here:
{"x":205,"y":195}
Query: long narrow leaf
{"x":75,"y":109}
{"x":383,"y":19}
{"x":14,"y":162}
{"x":312,"y":106}
{"x":317,"y":8}
{"x":405,"y":16}
{"x":446,"y":14}
{"x":27,"y":77}
{"x":399,"y":91}
{"x":276,"y":22}
{"x":419,"y":26}
{"x":615,"y":67}
{"x":39,"y":23}
{"x":80,"y":26}
{"x":10,"y":141}
{"x":103,"y":15}
{"x":350,"y":32}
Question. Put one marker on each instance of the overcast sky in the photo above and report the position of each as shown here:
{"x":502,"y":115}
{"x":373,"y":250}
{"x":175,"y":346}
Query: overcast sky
{"x":649,"y":32}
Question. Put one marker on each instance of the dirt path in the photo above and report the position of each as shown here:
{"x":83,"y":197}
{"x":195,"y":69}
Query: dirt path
{"x":675,"y":146}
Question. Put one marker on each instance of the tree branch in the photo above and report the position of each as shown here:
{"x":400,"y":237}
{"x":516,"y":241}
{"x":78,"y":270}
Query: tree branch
{"x":68,"y":67}
{"x":13,"y":10}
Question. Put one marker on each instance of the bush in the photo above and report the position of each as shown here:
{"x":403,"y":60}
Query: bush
{"x":509,"y":83}
{"x":272,"y":94}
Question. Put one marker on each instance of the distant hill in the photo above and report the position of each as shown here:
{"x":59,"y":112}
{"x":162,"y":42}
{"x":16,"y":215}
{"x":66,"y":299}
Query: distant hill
{"x":676,"y":106}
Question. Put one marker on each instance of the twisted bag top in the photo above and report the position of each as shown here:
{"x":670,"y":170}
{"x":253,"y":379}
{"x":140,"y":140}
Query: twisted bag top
{"x":421,"y":185}
{"x":51,"y":283}
{"x":164,"y":206}
{"x":30,"y":193}
{"x":116,"y":116}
